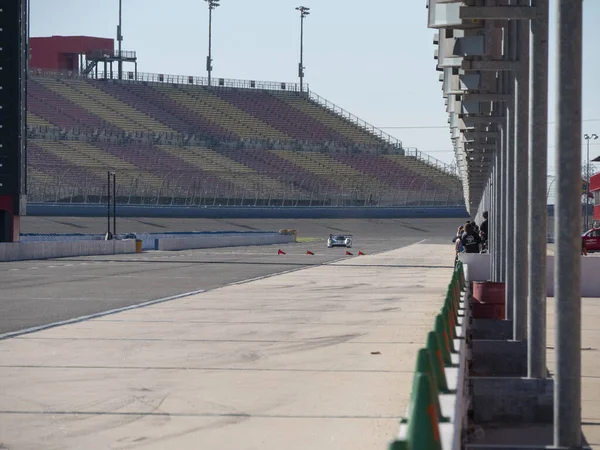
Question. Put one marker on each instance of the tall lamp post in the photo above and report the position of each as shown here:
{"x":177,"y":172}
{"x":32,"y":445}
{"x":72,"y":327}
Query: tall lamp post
{"x":304,"y":11}
{"x":588,"y":138}
{"x":120,"y":40}
{"x":212,"y":4}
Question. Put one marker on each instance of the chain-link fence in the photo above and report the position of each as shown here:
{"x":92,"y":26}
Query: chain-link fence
{"x":79,"y":185}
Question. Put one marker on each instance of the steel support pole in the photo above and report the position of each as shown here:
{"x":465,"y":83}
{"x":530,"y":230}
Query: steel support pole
{"x":301,"y":68}
{"x":567,"y":267}
{"x":502,"y":206}
{"x":209,"y":59}
{"x":521,"y":185}
{"x":490,"y":206}
{"x":510,"y":51}
{"x":587,"y":180}
{"x":108,"y":204}
{"x":496,"y":213}
{"x":120,"y":39}
{"x":510,"y":203}
{"x":538,"y":211}
{"x":114,"y":175}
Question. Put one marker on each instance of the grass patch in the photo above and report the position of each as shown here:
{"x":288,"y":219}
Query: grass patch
{"x":307,"y":239}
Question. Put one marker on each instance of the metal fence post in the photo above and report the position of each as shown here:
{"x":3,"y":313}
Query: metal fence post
{"x":538,"y":211}
{"x":567,"y":265}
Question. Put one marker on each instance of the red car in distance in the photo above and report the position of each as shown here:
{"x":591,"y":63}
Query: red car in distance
{"x":592,"y":240}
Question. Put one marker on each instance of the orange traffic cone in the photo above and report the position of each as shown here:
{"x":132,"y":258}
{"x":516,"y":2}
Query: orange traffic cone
{"x":349,"y":254}
{"x":280,"y":252}
{"x":308,"y":252}
{"x":360,"y":253}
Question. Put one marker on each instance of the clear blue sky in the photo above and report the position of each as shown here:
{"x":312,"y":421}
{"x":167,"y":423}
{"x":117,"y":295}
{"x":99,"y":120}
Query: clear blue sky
{"x":374,"y":60}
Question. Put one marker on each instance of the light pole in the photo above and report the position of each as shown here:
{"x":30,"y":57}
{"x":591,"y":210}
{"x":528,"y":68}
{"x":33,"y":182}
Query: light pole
{"x":119,"y":41}
{"x":212,"y":4}
{"x":304,"y":11}
{"x":588,"y":138}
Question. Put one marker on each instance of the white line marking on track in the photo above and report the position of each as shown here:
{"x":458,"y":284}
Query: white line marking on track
{"x":17,"y":333}
{"x":95,"y":316}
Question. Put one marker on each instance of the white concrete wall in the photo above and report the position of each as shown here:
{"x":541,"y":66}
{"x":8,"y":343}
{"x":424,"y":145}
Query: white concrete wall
{"x":590,"y":276}
{"x":215,"y":241}
{"x":477,"y":268}
{"x":44,"y":250}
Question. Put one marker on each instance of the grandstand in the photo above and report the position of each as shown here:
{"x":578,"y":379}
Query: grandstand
{"x":175,"y":140}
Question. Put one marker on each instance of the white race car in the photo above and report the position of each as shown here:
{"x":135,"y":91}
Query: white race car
{"x":339,"y":240}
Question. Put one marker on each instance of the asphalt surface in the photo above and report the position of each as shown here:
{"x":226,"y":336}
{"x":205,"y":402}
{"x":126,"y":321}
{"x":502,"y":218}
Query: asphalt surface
{"x":37,"y":293}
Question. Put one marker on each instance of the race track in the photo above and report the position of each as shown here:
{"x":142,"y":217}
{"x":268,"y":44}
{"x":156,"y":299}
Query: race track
{"x":36,"y":293}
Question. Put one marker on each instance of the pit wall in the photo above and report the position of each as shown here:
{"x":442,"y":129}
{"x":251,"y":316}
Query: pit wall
{"x":437,"y":413}
{"x":240,"y":212}
{"x":47,"y":250}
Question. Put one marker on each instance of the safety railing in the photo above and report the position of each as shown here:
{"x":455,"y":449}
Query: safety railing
{"x":72,"y":184}
{"x":437,"y":409}
{"x":161,"y":78}
{"x":377,"y":132}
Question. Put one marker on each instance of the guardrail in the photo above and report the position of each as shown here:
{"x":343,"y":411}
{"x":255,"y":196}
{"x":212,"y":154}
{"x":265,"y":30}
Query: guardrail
{"x":436,"y":415}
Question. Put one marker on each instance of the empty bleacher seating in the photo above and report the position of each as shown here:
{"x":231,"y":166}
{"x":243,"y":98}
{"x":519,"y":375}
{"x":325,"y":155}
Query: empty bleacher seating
{"x":194,"y":144}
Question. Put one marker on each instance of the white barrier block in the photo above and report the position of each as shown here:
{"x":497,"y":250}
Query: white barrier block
{"x":590,"y":276}
{"x":216,"y":241}
{"x":477,"y":266}
{"x":62,"y":249}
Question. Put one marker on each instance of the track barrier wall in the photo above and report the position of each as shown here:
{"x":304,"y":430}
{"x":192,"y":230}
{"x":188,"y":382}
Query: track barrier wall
{"x":436,"y":415}
{"x":240,"y":212}
{"x":215,"y":241}
{"x":149,"y":239}
{"x":46,"y":250}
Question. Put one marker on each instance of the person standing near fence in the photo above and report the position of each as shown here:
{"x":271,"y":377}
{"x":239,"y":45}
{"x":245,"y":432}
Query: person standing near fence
{"x":470,"y":239}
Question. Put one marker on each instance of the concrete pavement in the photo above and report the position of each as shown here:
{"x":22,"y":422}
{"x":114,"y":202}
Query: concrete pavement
{"x":321,"y":358}
{"x":36,"y":293}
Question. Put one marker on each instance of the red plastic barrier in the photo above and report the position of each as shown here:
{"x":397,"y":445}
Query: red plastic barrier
{"x":489,"y":300}
{"x":489,"y":292}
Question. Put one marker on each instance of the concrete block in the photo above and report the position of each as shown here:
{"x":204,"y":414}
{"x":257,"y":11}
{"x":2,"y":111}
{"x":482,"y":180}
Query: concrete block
{"x":511,"y":400}
{"x":498,"y":358}
{"x":491,"y":329}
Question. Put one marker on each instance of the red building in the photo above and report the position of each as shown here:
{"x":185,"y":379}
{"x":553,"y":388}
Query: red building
{"x":65,"y":53}
{"x":595,"y":190}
